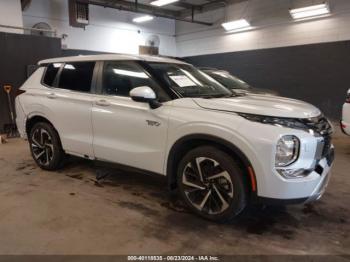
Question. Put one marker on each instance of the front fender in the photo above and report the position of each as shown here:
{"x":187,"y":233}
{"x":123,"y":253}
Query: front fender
{"x":219,"y":134}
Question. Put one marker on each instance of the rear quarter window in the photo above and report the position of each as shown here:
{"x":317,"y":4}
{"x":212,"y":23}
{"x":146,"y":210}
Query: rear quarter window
{"x":77,"y":76}
{"x":51,"y":73}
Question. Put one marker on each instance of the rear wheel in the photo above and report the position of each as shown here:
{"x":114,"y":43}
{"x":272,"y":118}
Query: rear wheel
{"x":212,"y":184}
{"x":45,"y":146}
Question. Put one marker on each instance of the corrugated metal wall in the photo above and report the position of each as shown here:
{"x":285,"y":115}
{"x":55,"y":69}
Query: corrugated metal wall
{"x":16,"y":53}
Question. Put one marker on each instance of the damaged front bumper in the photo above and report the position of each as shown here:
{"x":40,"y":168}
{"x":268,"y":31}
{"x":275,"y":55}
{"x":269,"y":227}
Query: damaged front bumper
{"x":323,"y":174}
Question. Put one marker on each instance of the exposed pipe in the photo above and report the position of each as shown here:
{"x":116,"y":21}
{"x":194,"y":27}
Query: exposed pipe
{"x":211,"y":6}
{"x":144,"y":9}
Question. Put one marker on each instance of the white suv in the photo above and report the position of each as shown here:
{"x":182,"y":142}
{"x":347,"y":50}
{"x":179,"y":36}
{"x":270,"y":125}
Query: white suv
{"x":220,"y":150}
{"x":345,"y":122}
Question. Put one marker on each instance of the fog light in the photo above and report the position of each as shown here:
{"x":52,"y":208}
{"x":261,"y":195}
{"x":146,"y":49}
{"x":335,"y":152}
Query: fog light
{"x":287,"y":150}
{"x":293,"y":173}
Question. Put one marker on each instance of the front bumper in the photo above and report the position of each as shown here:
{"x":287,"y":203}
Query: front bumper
{"x":323,"y":171}
{"x":316,"y":154}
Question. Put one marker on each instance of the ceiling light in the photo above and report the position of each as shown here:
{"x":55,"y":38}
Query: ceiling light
{"x":310,"y":11}
{"x":142,"y":19}
{"x":163,"y":2}
{"x":236,"y":25}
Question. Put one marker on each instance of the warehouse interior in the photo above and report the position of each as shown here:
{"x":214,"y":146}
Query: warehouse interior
{"x":74,"y":211}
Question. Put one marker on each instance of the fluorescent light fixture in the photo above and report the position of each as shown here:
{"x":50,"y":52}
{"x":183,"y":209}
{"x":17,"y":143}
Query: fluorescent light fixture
{"x":129,"y":73}
{"x":142,"y":19}
{"x":236,"y":25}
{"x":310,"y":11}
{"x":163,"y":2}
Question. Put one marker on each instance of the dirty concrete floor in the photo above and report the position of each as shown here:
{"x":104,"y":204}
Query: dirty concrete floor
{"x":69,"y":212}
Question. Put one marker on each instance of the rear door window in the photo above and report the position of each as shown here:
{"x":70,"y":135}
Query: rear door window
{"x":50,"y":73}
{"x":77,"y":76}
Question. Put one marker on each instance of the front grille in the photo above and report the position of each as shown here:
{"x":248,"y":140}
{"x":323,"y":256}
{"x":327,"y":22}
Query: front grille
{"x":319,"y":125}
{"x":327,"y":145}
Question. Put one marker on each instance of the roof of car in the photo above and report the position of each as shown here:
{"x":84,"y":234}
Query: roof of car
{"x":105,"y":57}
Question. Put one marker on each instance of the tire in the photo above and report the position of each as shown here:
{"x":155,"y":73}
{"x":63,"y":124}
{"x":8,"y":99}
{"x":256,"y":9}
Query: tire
{"x":45,"y":146}
{"x":221,"y":194}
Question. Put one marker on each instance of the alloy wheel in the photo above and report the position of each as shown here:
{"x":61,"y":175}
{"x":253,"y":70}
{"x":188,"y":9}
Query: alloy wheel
{"x":42,"y":146}
{"x":207,"y":185}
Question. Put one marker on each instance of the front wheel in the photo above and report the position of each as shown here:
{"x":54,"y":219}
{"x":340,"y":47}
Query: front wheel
{"x":45,"y":146}
{"x":212,"y":184}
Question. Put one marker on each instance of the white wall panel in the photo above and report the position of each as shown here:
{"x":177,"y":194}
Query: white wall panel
{"x":110,"y":30}
{"x":273,"y":28}
{"x":11,"y":15}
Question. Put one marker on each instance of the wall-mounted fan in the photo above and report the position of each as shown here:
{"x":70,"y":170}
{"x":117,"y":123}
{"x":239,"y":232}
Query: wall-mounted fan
{"x":153,"y":41}
{"x":151,"y":46}
{"x":42,"y":29}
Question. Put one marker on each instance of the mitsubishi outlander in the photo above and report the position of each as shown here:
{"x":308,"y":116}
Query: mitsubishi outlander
{"x":220,"y":150}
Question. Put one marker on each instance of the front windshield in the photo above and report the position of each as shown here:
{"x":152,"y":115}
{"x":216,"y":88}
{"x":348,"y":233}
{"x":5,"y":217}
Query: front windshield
{"x":228,"y":80}
{"x":187,"y":81}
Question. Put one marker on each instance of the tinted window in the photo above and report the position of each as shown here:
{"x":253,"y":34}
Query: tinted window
{"x":188,"y":81}
{"x":228,"y":80}
{"x":77,"y":76}
{"x":50,"y":74}
{"x":119,"y":77}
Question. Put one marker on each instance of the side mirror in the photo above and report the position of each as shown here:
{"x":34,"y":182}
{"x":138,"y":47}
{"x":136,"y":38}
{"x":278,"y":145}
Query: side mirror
{"x":145,"y":94}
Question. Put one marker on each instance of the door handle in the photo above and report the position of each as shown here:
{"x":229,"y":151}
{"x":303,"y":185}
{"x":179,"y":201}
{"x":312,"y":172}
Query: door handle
{"x":52,"y":96}
{"x":102,"y":103}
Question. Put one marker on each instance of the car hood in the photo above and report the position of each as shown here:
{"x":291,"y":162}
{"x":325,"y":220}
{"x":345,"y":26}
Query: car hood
{"x":257,"y":91}
{"x":261,"y":105}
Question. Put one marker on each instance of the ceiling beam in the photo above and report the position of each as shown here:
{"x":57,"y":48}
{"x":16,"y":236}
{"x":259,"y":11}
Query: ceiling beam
{"x":186,"y":5}
{"x":211,"y":6}
{"x":183,"y":5}
{"x":145,"y":9}
{"x":132,"y":6}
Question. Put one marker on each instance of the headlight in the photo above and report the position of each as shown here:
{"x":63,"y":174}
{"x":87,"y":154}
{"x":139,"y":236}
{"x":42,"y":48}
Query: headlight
{"x":287,"y":151}
{"x":277,"y":121}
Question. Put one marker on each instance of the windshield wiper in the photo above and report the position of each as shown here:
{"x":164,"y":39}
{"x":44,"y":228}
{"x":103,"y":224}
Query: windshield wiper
{"x":214,"y":96}
{"x":223,"y":96}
